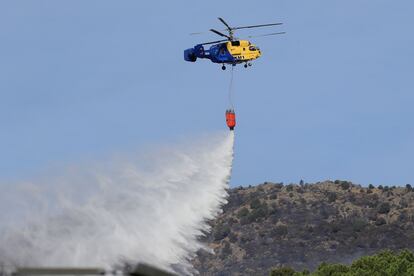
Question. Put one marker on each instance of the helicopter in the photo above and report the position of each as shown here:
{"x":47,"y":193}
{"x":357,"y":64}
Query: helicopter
{"x":231,"y":50}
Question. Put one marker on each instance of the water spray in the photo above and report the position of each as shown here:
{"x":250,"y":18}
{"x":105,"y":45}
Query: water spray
{"x":142,"y":209}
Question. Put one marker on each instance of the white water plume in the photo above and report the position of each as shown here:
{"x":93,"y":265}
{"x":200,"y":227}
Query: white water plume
{"x":148,"y":209}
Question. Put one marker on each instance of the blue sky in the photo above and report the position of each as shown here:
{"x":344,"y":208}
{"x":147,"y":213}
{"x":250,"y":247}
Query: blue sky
{"x":331,"y":99}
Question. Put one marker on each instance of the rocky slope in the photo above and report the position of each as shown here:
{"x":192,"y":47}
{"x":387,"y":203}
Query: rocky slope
{"x":302,"y":225}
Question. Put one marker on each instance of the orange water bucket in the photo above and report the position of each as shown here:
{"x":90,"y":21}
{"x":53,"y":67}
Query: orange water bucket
{"x":230,"y":118}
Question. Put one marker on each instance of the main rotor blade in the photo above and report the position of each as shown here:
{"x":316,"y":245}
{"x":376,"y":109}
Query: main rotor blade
{"x":213,"y":42}
{"x":221,"y":34}
{"x":257,"y":26}
{"x":198,"y":33}
{"x":224,"y":22}
{"x":251,"y":36}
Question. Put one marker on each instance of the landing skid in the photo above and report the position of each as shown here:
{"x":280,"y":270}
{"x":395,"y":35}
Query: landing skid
{"x":247,"y":64}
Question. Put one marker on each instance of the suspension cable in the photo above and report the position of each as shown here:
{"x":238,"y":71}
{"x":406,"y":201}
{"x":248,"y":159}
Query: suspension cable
{"x":231,"y":89}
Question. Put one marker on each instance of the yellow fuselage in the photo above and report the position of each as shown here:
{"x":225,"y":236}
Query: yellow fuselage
{"x":243,"y":50}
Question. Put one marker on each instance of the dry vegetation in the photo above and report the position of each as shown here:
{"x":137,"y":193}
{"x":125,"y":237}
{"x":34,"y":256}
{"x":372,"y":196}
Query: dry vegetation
{"x":302,"y":225}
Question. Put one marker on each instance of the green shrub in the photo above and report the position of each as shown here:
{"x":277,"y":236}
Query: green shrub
{"x":280,"y":231}
{"x":244,"y":220}
{"x":331,"y":197}
{"x":335,"y":227}
{"x":226,"y":249}
{"x":282,"y":271}
{"x":255,"y":203}
{"x":232,"y":237}
{"x":332,"y":269}
{"x":278,"y":185}
{"x":358,"y":225}
{"x":221,"y":231}
{"x":260,"y":212}
{"x":380,"y":221}
{"x":243,"y":212}
{"x":273,"y":196}
{"x":289,"y":187}
{"x":384,"y":263}
{"x":384,"y":208}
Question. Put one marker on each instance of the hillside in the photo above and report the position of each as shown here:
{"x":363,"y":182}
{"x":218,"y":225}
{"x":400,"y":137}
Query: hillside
{"x":272,"y":224}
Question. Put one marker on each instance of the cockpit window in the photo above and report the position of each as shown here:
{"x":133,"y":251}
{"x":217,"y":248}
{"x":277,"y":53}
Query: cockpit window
{"x":252,"y":48}
{"x":235,"y":43}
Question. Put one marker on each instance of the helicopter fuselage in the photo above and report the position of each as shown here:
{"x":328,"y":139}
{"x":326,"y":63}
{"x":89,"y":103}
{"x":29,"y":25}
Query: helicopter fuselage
{"x":230,"y":52}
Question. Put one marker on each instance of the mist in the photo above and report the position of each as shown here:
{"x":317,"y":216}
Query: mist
{"x":149,"y":207}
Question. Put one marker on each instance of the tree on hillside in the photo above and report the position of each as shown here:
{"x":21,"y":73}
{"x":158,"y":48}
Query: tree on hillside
{"x":384,"y":263}
{"x":345,"y":185}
